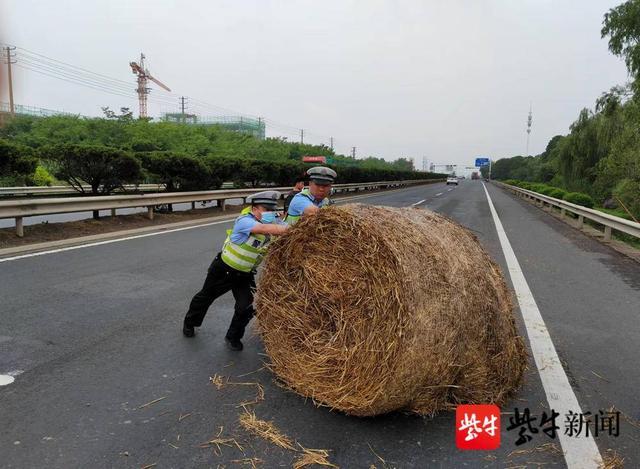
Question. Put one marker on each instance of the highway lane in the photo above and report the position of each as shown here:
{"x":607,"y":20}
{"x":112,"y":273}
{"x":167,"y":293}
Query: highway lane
{"x":94,"y":334}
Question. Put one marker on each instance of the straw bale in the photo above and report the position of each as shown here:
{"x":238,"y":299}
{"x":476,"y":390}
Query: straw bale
{"x":371,"y":309}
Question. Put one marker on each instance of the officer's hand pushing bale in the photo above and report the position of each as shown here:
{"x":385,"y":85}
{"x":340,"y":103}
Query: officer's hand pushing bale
{"x":388,"y":309}
{"x":235,"y":266}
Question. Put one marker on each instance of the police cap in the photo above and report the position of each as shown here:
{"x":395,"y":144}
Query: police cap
{"x":322,"y":175}
{"x":266,"y":198}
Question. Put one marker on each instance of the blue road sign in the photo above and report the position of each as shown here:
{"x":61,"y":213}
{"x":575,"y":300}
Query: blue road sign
{"x":482,"y":162}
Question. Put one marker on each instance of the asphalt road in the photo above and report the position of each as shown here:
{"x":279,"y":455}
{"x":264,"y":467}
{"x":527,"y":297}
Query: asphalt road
{"x":92,"y":335}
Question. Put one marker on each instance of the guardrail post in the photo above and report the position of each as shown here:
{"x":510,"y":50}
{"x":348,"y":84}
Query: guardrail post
{"x":19,"y":227}
{"x":607,"y":233}
{"x":150,"y":212}
{"x":193,"y":205}
{"x":580,"y":221}
{"x":113,"y":213}
{"x":222,"y":204}
{"x":563,"y":212}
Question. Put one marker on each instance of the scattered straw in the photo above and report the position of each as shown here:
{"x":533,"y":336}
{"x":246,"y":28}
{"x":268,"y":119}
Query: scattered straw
{"x":221,"y":382}
{"x":152,"y":402}
{"x":377,"y":455}
{"x":217,"y":381}
{"x":388,"y":309}
{"x":601,"y":377}
{"x":265,"y":430}
{"x":252,"y":372}
{"x":218,"y":442}
{"x":182,"y":417}
{"x":149,"y":466}
{"x":310,"y":457}
{"x":611,"y":460}
{"x":253,"y":462}
{"x":547,"y":447}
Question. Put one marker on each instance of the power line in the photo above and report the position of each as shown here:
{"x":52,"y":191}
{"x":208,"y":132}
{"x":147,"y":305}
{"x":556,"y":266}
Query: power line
{"x":58,"y":69}
{"x":74,"y":77}
{"x":72,"y":66}
{"x":131,"y":96}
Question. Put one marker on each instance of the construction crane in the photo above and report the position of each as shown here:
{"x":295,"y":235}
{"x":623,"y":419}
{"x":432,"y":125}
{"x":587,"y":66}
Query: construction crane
{"x":143,"y":90}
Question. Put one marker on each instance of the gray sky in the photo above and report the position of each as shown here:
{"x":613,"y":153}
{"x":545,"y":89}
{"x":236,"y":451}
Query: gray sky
{"x":445,"y":80}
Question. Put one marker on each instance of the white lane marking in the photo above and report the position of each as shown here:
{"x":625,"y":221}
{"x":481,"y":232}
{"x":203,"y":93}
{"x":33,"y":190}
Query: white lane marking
{"x":418,"y":203}
{"x":449,"y":190}
{"x":110,"y":241}
{"x":117,"y":240}
{"x":579,"y":453}
{"x":439,"y":193}
{"x":6,"y":379}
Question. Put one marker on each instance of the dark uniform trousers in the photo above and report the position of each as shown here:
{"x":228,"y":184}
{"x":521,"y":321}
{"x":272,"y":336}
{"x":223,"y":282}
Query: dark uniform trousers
{"x":220,"y":279}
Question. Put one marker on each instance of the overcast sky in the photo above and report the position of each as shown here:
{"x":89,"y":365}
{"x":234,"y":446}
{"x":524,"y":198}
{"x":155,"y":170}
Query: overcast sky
{"x":443,"y":80}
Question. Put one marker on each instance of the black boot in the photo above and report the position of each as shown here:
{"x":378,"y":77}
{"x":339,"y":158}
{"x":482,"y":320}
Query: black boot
{"x":188,"y":330}
{"x":234,"y":344}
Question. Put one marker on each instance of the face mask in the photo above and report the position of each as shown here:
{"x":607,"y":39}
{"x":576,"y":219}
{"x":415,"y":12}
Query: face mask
{"x":268,"y":217}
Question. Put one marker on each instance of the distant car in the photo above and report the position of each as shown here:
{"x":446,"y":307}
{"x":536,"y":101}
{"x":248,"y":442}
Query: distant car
{"x":452,"y":180}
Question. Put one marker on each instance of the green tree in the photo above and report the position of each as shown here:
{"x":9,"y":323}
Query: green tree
{"x":102,"y":168}
{"x":179,"y":172}
{"x":622,"y":26}
{"x":17,"y":163}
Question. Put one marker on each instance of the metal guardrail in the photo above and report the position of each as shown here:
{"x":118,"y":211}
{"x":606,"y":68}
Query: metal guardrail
{"x":610,"y":222}
{"x":55,"y":190}
{"x":21,"y":208}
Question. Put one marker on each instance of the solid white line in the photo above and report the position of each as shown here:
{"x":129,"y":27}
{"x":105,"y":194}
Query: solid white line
{"x":439,"y":193}
{"x":6,"y":379}
{"x":579,"y":452}
{"x":418,"y":203}
{"x":110,"y":241}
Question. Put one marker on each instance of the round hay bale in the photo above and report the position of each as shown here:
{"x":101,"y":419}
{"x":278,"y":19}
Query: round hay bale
{"x":374,"y":309}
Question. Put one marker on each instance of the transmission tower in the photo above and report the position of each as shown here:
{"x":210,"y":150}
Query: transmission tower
{"x":529,"y":122}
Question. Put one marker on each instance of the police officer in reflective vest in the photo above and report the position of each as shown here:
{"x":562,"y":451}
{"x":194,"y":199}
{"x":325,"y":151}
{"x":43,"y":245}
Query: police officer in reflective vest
{"x":310,"y":200}
{"x":235,"y":266}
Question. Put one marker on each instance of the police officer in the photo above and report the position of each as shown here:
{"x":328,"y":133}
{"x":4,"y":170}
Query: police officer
{"x":297,"y":188}
{"x":234,"y":267}
{"x":311,"y":200}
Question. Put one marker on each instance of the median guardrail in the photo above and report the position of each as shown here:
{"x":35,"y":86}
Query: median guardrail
{"x":59,"y":190}
{"x":19,"y":209}
{"x":610,"y":222}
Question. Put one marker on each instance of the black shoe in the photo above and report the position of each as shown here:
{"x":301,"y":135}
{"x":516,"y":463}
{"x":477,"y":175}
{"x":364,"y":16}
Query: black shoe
{"x":188,"y":331}
{"x":235,"y":345}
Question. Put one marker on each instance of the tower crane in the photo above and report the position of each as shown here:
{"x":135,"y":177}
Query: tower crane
{"x":143,"y":90}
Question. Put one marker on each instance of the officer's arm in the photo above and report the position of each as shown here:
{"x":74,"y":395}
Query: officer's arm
{"x":270,"y":229}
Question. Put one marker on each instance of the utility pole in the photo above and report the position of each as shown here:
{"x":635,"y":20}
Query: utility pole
{"x":12,"y":108}
{"x":353,"y":152}
{"x":301,"y":135}
{"x":182,"y":108}
{"x":529,"y":122}
{"x":331,"y":143}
